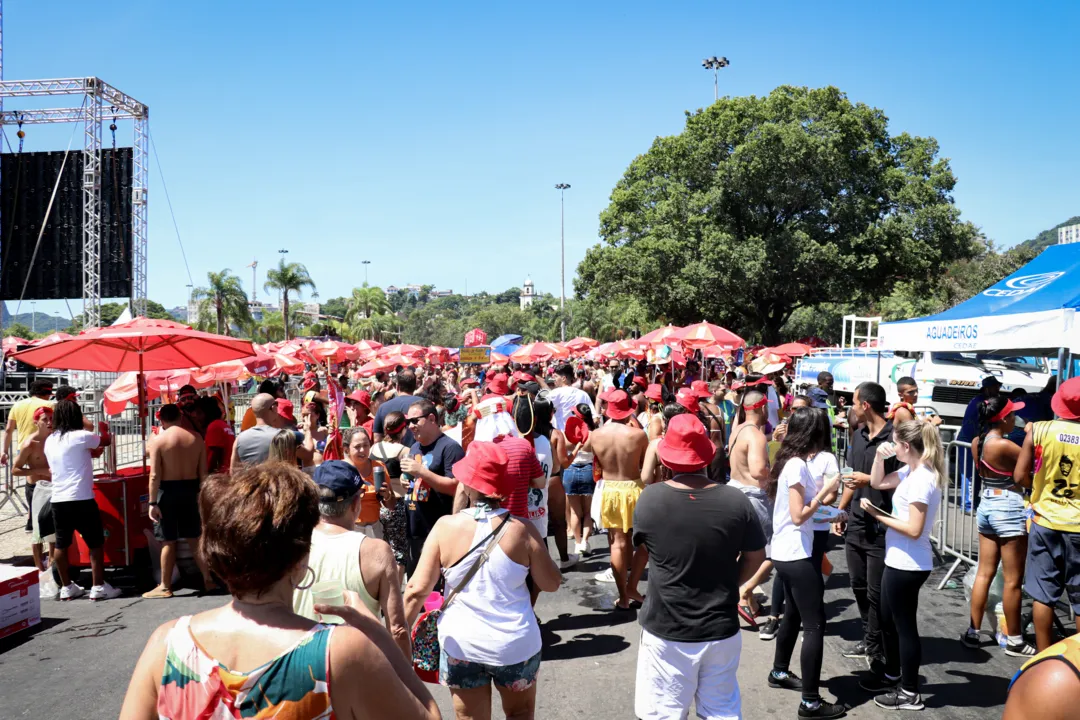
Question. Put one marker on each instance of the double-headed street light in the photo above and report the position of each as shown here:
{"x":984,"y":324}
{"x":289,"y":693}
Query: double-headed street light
{"x":715,"y":63}
{"x":562,"y":188}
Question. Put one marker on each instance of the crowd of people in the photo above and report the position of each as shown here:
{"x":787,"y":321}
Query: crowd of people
{"x":450,"y":480}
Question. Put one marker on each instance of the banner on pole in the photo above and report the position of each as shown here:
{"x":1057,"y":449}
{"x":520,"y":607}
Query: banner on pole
{"x":475,"y":356}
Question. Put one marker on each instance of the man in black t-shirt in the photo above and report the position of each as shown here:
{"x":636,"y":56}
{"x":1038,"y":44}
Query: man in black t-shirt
{"x":432,"y":486}
{"x":865,"y":536}
{"x":690,"y":643}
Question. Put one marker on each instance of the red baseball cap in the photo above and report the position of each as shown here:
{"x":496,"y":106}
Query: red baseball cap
{"x":1010,"y":407}
{"x":360,"y":396}
{"x":641,"y":382}
{"x":688,"y":399}
{"x":285,"y":409}
{"x":498,"y":384}
{"x":685,"y":446}
{"x":483,"y":469}
{"x":655,"y":391}
{"x":701,"y":389}
{"x":617,"y":405}
{"x":470,"y":381}
{"x":1066,"y":401}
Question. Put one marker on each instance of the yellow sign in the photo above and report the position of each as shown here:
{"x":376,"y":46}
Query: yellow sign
{"x":475,"y":356}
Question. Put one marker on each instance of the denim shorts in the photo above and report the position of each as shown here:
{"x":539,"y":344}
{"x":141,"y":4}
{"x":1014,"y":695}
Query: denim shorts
{"x":467,"y":675}
{"x":1002,"y":515}
{"x":578,"y":479}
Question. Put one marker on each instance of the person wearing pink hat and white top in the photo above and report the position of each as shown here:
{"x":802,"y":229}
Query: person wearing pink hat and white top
{"x":488,"y":633}
{"x":690,"y":643}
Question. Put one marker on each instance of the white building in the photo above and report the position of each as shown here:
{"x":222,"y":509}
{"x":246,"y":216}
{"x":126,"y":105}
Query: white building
{"x":1068,"y":234}
{"x":528,"y":294}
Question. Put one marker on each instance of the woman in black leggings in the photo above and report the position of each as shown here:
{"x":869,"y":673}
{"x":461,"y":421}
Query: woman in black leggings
{"x":795,"y":498}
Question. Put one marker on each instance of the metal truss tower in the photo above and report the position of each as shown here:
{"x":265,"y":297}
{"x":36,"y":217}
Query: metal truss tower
{"x":101,"y":103}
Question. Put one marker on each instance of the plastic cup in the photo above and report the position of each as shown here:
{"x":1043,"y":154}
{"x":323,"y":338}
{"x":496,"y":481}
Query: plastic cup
{"x":329,"y":592}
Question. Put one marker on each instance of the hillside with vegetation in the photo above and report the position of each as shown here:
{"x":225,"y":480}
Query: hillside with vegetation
{"x":1047,"y":237}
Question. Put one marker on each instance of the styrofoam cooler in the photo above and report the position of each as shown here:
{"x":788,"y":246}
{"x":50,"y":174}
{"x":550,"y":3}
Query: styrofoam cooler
{"x":433,"y":602}
{"x":20,"y":603}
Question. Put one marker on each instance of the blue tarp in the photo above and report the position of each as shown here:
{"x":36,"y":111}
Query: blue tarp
{"x":504,"y":340}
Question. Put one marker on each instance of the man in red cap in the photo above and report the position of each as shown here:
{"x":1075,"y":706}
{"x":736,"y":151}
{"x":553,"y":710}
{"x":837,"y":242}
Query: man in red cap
{"x":690,"y":642}
{"x":619,"y":449}
{"x":1049,"y":464}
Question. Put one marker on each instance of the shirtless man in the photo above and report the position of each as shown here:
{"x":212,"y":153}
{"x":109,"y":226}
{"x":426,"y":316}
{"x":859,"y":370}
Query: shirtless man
{"x":749,"y":454}
{"x":32,"y":464}
{"x":177,"y":467}
{"x":619,"y":449}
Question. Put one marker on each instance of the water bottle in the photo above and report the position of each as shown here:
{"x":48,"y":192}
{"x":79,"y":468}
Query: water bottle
{"x":379,"y":474}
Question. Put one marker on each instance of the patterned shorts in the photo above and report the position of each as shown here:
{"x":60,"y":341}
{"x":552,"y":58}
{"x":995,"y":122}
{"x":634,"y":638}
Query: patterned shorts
{"x":393,"y":524}
{"x":466,"y":675}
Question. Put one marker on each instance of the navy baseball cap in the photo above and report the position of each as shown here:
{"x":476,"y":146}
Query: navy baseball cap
{"x":339,"y":476}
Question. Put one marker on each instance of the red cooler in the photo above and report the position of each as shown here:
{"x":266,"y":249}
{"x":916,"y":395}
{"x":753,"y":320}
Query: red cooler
{"x":123,"y":501}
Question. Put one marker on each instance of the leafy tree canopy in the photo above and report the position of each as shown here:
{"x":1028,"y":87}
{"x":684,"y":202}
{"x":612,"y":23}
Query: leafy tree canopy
{"x":764,"y":205}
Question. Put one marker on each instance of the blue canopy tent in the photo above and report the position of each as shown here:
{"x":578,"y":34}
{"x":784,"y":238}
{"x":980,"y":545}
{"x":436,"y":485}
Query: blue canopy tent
{"x":1032,"y":309}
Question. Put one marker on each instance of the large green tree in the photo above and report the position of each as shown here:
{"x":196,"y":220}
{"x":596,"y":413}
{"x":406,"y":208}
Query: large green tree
{"x":764,"y":205}
{"x":222,"y":303}
{"x":288,"y":278}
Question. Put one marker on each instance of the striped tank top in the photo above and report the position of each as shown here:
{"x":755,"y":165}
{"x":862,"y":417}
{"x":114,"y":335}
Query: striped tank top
{"x":293,"y":686}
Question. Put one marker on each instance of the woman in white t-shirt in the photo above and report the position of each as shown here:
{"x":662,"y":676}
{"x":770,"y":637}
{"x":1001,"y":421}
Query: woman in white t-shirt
{"x":908,"y":557}
{"x":796,"y":497}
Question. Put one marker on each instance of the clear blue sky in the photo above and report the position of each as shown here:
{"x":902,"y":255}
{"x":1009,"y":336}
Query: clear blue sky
{"x":427,"y":136}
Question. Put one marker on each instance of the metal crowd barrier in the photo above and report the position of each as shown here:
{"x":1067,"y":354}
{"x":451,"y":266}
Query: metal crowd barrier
{"x":955,"y":530}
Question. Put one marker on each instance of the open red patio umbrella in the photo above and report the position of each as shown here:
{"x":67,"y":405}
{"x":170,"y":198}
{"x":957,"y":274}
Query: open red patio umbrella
{"x":51,"y":338}
{"x":667,"y":335}
{"x":538,"y":352}
{"x":703,"y":334}
{"x":581,"y":344}
{"x":11,"y":343}
{"x":792,"y":349}
{"x":386,"y":364}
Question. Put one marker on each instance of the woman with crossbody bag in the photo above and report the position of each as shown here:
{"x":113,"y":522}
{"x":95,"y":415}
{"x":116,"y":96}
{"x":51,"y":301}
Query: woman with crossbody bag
{"x":486,"y":629}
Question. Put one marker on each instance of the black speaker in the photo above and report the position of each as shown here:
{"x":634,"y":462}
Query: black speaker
{"x":56,"y":273}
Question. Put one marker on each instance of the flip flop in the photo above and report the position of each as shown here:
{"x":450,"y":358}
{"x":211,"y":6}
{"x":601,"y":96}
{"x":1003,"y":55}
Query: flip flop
{"x":745,"y":614}
{"x":158,"y":593}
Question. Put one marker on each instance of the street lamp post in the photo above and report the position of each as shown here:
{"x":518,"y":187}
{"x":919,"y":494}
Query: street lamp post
{"x":56,"y":324}
{"x":33,"y":316}
{"x":715,"y":63}
{"x":562,"y":188}
{"x":365,"y":263}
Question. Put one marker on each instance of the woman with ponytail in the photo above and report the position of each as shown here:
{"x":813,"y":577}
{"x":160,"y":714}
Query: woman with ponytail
{"x":796,"y":497}
{"x":908,"y":556}
{"x":578,"y":483}
{"x":1001,"y":523}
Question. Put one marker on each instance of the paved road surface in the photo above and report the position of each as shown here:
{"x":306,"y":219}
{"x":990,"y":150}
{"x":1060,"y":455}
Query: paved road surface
{"x":77,"y":663}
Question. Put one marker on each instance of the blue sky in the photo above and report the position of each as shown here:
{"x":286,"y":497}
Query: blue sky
{"x":427,"y":136}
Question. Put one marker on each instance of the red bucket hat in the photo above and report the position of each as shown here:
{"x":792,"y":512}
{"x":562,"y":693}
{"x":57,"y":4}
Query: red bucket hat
{"x":641,"y":382}
{"x":701,"y":389}
{"x":360,"y":396}
{"x":576,"y":430}
{"x":655,"y":392}
{"x":498,"y":384}
{"x":688,"y":399}
{"x":483,"y":469}
{"x":685,"y":447}
{"x":618,"y":405}
{"x":1066,"y":401}
{"x":285,"y":409}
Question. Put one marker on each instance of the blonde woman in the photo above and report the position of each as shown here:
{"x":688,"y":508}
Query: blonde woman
{"x":908,"y":557}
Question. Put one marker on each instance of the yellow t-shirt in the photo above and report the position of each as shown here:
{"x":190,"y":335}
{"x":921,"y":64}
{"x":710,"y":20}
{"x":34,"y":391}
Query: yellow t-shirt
{"x":1055,"y":490}
{"x":22,"y":413}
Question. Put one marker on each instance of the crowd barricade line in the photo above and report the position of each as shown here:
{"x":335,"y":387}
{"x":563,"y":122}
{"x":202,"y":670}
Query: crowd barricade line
{"x":955,"y":530}
{"x":240,"y":405}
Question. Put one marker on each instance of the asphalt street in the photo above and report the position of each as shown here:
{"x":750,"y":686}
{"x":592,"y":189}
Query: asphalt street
{"x":77,"y":663}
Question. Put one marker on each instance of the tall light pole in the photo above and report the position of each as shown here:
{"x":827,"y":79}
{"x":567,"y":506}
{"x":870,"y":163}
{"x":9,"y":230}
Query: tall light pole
{"x":56,"y":325}
{"x":33,"y":316}
{"x":715,"y":63}
{"x":365,"y":263}
{"x":282,"y":252}
{"x":562,"y":188}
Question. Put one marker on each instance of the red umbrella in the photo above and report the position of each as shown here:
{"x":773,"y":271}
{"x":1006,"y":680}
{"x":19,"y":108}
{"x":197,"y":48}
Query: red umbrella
{"x":11,"y":343}
{"x":50,"y":339}
{"x":438,"y":354}
{"x":386,"y":364}
{"x":125,"y":388}
{"x":368,"y":348}
{"x":629,"y":349}
{"x":538,"y":352}
{"x":580,"y":344}
{"x":703,"y":335}
{"x":406,"y":350}
{"x":333,"y":351}
{"x":792,"y":349}
{"x":141,"y":345}
{"x":498,"y":359}
{"x":813,"y":341}
{"x":666,"y":335}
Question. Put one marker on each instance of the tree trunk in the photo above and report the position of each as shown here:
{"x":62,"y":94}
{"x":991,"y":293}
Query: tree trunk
{"x":220,"y":319}
{"x":285,"y":313}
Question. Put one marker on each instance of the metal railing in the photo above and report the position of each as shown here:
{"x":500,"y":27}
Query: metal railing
{"x":955,"y":530}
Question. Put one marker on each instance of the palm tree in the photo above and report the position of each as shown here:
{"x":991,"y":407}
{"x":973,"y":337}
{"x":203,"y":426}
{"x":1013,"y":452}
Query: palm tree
{"x":224,"y":300}
{"x":287,"y":278}
{"x":365,"y":302}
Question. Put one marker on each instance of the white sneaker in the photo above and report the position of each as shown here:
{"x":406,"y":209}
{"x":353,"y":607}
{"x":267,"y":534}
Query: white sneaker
{"x":605,"y":577}
{"x":582,"y":548}
{"x":570,"y":561}
{"x":71,"y":591}
{"x":105,"y":592}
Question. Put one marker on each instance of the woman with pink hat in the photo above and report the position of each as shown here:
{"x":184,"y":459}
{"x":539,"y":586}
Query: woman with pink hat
{"x":488,"y":633}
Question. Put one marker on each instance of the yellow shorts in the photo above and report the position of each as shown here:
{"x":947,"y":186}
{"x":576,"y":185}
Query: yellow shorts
{"x":617,"y":504}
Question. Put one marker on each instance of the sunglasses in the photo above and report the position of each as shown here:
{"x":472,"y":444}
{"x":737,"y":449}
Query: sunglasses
{"x":413,"y":422}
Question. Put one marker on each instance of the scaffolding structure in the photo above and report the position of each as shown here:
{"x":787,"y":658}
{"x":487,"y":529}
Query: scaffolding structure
{"x":102,"y":103}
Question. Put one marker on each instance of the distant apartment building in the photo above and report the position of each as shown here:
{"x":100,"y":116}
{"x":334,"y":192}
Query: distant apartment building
{"x":1068,"y":234}
{"x":414,"y":291}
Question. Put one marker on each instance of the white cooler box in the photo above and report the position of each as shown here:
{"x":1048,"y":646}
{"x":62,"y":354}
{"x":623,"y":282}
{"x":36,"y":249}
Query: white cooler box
{"x":20,"y":603}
